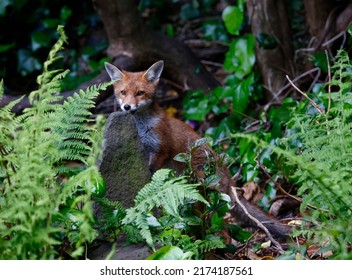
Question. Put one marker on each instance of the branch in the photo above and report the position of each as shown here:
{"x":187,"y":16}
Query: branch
{"x":321,"y":110}
{"x":256,"y":221}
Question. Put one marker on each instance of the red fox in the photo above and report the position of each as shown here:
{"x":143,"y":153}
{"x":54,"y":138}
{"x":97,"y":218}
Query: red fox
{"x":162,"y":136}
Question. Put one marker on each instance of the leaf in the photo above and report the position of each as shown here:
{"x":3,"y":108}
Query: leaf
{"x":39,"y":40}
{"x":182,"y":157}
{"x":240,"y":58}
{"x":233,"y":19}
{"x":215,"y":31}
{"x":6,"y":47}
{"x":200,"y":142}
{"x":167,"y":253}
{"x":241,"y":95}
{"x":65,"y":13}
{"x":189,"y":10}
{"x":216,"y":223}
{"x":212,"y":181}
{"x":237,"y":233}
{"x":319,"y":60}
{"x":198,"y":113}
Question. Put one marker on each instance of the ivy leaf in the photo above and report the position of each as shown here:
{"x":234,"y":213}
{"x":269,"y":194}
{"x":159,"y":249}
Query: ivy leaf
{"x":215,"y":30}
{"x":242,"y":94}
{"x":237,"y":233}
{"x":319,"y":60}
{"x":167,"y":253}
{"x":39,"y":40}
{"x":241,"y":56}
{"x":233,"y":19}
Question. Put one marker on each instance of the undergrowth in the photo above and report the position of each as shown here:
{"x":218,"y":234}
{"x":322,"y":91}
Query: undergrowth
{"x":45,"y":205}
{"x":318,"y":150}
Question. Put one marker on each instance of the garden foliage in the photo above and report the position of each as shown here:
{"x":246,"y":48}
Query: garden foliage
{"x":45,"y":205}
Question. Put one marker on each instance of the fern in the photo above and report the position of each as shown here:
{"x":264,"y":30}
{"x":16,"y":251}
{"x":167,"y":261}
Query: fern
{"x":112,"y":215}
{"x":164,"y":191}
{"x":323,"y":162}
{"x":39,"y":207}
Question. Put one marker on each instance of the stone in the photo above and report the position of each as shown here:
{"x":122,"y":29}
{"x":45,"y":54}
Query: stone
{"x":123,"y":165}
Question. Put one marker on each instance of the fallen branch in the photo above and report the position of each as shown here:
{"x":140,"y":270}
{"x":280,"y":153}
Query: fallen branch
{"x":256,"y":221}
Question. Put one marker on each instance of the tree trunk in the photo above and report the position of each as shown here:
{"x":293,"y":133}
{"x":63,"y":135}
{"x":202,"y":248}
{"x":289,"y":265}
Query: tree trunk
{"x":325,"y":19}
{"x":129,"y":38}
{"x":270,"y":17}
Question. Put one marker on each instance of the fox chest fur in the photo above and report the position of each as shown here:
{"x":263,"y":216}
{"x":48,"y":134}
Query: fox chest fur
{"x":145,"y":124}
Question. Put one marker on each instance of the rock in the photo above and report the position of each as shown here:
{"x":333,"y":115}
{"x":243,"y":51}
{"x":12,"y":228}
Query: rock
{"x":123,"y":164}
{"x":125,"y":170}
{"x":120,"y":251}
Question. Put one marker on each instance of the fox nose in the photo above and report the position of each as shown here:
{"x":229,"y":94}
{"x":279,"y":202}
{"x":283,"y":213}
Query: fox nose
{"x":127,"y":107}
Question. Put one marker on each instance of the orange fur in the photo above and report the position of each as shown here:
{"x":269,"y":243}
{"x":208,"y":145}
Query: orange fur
{"x":162,"y":136}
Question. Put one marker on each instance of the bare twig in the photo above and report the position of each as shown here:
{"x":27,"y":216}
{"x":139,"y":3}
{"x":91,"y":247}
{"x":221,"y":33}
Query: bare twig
{"x":300,"y":200}
{"x":276,"y":183}
{"x":321,"y":110}
{"x":276,"y":95}
{"x":256,"y":221}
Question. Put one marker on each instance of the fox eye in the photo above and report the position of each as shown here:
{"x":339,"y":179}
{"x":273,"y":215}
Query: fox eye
{"x":123,"y":92}
{"x":139,"y":93}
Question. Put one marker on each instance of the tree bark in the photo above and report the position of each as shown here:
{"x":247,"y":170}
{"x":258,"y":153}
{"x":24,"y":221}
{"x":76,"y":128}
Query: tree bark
{"x":270,"y":17}
{"x":325,"y":19}
{"x":128,"y":37}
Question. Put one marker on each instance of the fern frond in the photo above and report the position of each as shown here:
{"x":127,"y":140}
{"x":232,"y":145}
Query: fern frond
{"x":164,"y":191}
{"x":34,"y":148}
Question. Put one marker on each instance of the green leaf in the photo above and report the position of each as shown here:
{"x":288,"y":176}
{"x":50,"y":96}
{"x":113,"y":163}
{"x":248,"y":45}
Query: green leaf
{"x":240,"y":58}
{"x":39,"y":40}
{"x":98,"y":185}
{"x":199,"y":112}
{"x":233,"y":19}
{"x":6,"y":47}
{"x":319,"y":60}
{"x":182,"y":157}
{"x":237,"y":233}
{"x":215,"y":31}
{"x":200,"y":142}
{"x":167,"y":253}
{"x":212,"y":181}
{"x":241,"y":95}
{"x":65,"y":13}
{"x":216,"y":223}
{"x":169,"y":30}
{"x":189,"y":11}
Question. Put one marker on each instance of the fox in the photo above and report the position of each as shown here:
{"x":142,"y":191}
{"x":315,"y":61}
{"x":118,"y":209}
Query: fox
{"x":163,"y":137}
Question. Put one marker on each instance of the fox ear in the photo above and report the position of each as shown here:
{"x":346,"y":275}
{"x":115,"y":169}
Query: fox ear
{"x":114,"y":72}
{"x":154,"y":71}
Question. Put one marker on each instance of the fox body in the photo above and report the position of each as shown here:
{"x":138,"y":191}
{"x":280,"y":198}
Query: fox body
{"x":162,"y":136}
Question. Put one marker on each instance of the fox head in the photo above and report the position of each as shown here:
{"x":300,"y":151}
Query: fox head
{"x":135,"y":90}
